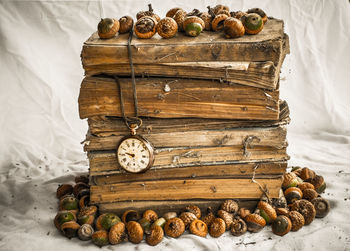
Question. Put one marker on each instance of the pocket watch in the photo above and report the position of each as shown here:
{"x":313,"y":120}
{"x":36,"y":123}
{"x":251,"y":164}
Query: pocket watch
{"x":135,"y":154}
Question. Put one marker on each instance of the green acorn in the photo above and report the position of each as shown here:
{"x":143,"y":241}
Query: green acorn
{"x":106,"y":221}
{"x":253,"y":23}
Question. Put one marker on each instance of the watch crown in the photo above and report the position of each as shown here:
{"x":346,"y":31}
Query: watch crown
{"x":133,"y":128}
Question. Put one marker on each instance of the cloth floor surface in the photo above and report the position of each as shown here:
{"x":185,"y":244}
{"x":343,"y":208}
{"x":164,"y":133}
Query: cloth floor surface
{"x":40,"y":76}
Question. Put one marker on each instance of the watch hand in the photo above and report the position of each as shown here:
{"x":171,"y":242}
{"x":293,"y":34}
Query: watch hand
{"x":131,"y":154}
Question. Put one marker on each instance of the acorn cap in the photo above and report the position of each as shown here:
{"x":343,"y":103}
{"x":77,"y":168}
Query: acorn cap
{"x":194,"y":209}
{"x":187,"y":218}
{"x":126,"y":24}
{"x":305,"y":185}
{"x":238,"y":227}
{"x":306,"y":173}
{"x":117,"y":233}
{"x":289,"y":180}
{"x":255,"y":222}
{"x":64,"y":189}
{"x":130,"y":215}
{"x":306,"y":208}
{"x":174,"y":227}
{"x":155,"y":236}
{"x":145,"y":27}
{"x":310,"y":194}
{"x":297,"y":220}
{"x":107,"y":28}
{"x":319,"y":184}
{"x":227,"y":217}
{"x":217,"y":227}
{"x":218,"y":22}
{"x":167,"y":27}
{"x":198,"y":227}
{"x":135,"y":232}
{"x":172,"y":12}
{"x":70,"y":229}
{"x":230,"y":206}
{"x":292,"y":194}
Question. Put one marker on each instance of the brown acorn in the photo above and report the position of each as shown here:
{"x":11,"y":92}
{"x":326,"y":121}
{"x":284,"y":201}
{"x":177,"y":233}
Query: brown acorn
{"x":207,"y":19}
{"x":87,"y":215}
{"x":218,"y":8}
{"x":169,"y":215}
{"x":306,"y":208}
{"x":230,"y":206}
{"x":307,"y":173}
{"x":233,"y":28}
{"x":319,"y":184}
{"x":217,"y":227}
{"x":70,"y":229}
{"x":282,"y":211}
{"x":85,"y":232}
{"x":322,"y":207}
{"x":194,"y":209}
{"x":107,"y":28}
{"x":281,"y":225}
{"x":297,"y":220}
{"x":296,"y":170}
{"x":238,"y":227}
{"x":218,"y":22}
{"x":305,"y":185}
{"x":150,"y":215}
{"x":292,"y":194}
{"x":156,"y":236}
{"x":260,"y":12}
{"x":255,"y":222}
{"x":267,"y":211}
{"x":84,"y":201}
{"x":199,"y":228}
{"x":243,"y":212}
{"x":82,"y":178}
{"x":145,"y":27}
{"x":238,"y":14}
{"x":310,"y":194}
{"x":100,"y":238}
{"x":130,"y":215}
{"x":174,"y":227}
{"x":82,"y":193}
{"x":208,"y":219}
{"x":187,"y":218}
{"x":172,"y":12}
{"x":79,"y":187}
{"x":179,"y":18}
{"x":227,"y":217}
{"x":126,"y":24}
{"x":117,"y":233}
{"x":148,"y":13}
{"x":167,"y":27}
{"x":135,"y":232}
{"x":289,"y":180}
{"x":64,"y":189}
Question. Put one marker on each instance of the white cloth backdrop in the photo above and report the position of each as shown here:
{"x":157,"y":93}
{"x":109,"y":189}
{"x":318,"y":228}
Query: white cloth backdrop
{"x":40,"y":129}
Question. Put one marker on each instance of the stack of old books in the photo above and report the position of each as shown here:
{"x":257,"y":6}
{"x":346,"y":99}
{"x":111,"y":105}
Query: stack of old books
{"x":210,"y":106}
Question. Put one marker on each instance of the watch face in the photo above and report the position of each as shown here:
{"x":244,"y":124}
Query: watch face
{"x":135,"y":154}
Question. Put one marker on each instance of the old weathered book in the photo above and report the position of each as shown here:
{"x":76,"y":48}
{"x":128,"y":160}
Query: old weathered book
{"x":249,"y":60}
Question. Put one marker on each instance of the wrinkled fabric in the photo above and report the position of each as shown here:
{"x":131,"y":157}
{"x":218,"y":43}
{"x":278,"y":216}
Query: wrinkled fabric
{"x":40,"y":76}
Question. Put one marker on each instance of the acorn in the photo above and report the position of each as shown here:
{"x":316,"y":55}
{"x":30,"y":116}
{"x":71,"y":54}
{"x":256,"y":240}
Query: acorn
{"x":100,"y":238}
{"x":219,"y":8}
{"x":255,"y":222}
{"x":187,"y":218}
{"x":227,"y":217}
{"x":155,"y":236}
{"x":238,"y":227}
{"x":310,"y":194}
{"x":306,"y":208}
{"x":217,"y":227}
{"x":319,"y":184}
{"x":253,"y":23}
{"x":194,"y":12}
{"x":82,"y":179}
{"x":135,"y":232}
{"x":84,"y":201}
{"x":79,"y":187}
{"x":86,"y":219}
{"x":260,"y":12}
{"x":148,"y":13}
{"x":117,"y":233}
{"x":106,"y":221}
{"x":267,"y":212}
{"x":208,"y":219}
{"x":68,"y":203}
{"x":64,"y":189}
{"x":207,"y":19}
{"x":82,"y":193}
{"x":233,"y":28}
{"x":174,"y":227}
{"x":62,"y":217}
{"x":282,"y":211}
{"x":145,"y":224}
{"x":307,"y":173}
{"x":296,"y":170}
{"x":292,"y":194}
{"x":107,"y":28}
{"x":199,"y":228}
{"x":289,"y":180}
{"x":70,"y":229}
{"x":160,"y":222}
{"x":172,"y":12}
{"x":238,"y":14}
{"x":167,"y":27}
{"x":89,"y":210}
{"x":126,"y":24}
{"x":130,"y":215}
{"x":145,"y":27}
{"x":193,"y":26}
{"x":281,"y":225}
{"x":322,"y":207}
{"x":169,"y":215}
{"x":179,"y":18}
{"x":193,"y":209}
{"x":305,"y":185}
{"x":230,"y":206}
{"x":243,"y":212}
{"x":218,"y":22}
{"x":85,"y":232}
{"x":297,"y":220}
